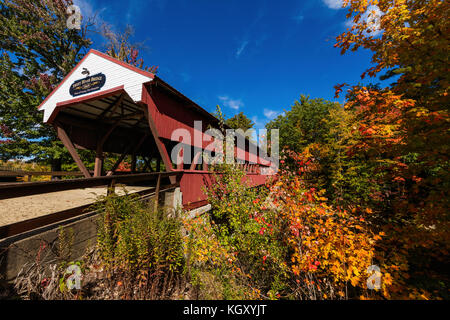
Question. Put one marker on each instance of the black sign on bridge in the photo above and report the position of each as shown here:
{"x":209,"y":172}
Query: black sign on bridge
{"x":88,"y":84}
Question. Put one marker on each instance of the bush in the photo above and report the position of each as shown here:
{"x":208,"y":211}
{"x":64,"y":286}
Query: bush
{"x":247,"y":228}
{"x":139,"y":246}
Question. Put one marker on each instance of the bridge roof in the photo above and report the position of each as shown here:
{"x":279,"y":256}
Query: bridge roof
{"x":98,"y":83}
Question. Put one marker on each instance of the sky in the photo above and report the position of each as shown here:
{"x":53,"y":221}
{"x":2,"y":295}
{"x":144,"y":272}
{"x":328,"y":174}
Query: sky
{"x":257,"y":57}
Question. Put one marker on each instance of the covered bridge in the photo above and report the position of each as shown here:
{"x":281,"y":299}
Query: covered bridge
{"x":106,"y":105}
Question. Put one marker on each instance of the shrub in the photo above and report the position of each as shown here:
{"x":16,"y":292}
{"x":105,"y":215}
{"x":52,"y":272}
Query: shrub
{"x":139,"y":246}
{"x":248,"y":229}
{"x":330,"y":250}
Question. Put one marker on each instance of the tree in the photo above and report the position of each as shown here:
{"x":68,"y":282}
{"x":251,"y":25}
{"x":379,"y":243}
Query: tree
{"x":240,"y":121}
{"x":37,"y":51}
{"x":413,"y":45}
{"x":403,"y":133}
{"x":303,"y":124}
{"x":120,"y":47}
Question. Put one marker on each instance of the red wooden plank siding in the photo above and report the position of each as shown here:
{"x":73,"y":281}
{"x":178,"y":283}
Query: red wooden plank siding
{"x":170,"y":114}
{"x":193,"y":183}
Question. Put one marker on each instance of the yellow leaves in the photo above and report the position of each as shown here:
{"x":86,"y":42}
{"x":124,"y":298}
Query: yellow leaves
{"x":296,"y":270}
{"x":378,"y":236}
{"x":387,"y":279}
{"x":332,"y":242}
{"x":424,"y":297}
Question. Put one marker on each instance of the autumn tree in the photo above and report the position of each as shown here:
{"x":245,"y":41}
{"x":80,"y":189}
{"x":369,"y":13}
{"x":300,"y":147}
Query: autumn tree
{"x":413,"y":44}
{"x":120,"y":46}
{"x":37,"y":51}
{"x":403,"y":131}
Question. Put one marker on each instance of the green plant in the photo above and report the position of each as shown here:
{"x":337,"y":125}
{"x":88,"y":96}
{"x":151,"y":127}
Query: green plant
{"x":247,"y":228}
{"x":138,"y":246}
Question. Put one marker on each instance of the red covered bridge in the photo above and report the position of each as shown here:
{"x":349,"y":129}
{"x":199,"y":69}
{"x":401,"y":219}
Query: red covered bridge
{"x":106,"y":105}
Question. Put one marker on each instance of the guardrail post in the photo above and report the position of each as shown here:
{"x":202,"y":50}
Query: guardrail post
{"x":158,"y":185}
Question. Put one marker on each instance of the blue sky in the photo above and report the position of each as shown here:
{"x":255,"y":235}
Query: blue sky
{"x":250,"y":56}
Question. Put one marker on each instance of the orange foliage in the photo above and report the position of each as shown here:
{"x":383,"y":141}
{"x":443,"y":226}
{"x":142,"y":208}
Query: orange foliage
{"x":331,"y":249}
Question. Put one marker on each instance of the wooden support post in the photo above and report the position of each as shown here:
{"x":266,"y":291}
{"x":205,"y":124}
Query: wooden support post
{"x":158,"y":164}
{"x":62,"y":135}
{"x":98,"y":169}
{"x":158,"y":184}
{"x":148,"y":164}
{"x":180,"y":160}
{"x":195,"y":160}
{"x":151,"y":123}
{"x":98,"y":164}
{"x":133,"y":163}
{"x":161,"y":147}
{"x":122,"y":156}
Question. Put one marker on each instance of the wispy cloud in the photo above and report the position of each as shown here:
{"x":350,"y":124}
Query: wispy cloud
{"x":242,"y":47}
{"x":185,"y":76}
{"x":234,"y":104}
{"x":271,"y":114}
{"x":88,"y":10}
{"x":252,"y":38}
{"x":333,"y":4}
{"x":298,"y":18}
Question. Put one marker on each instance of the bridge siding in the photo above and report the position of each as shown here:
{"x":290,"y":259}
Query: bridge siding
{"x":193,"y":183}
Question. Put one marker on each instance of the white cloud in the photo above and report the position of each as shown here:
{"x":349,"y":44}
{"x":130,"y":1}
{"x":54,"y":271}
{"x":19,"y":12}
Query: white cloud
{"x":333,"y":4}
{"x":270,"y":114}
{"x":231,"y":103}
{"x":372,"y":18}
{"x":88,"y":10}
{"x":85,"y":8}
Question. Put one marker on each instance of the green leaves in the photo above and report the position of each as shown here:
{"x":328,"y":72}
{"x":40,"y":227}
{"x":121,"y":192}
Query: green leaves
{"x":303,"y":124}
{"x":37,"y":51}
{"x":240,"y":121}
{"x":132,"y":238}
